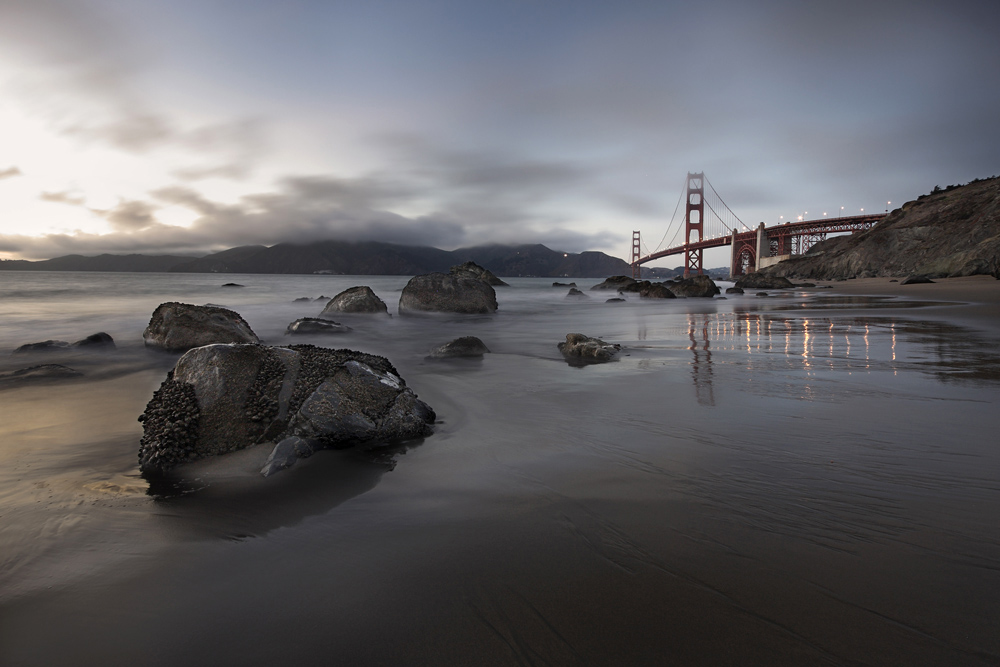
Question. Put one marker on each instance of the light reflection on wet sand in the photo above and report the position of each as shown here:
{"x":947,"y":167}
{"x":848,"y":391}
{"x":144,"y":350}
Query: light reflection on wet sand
{"x":746,"y":484}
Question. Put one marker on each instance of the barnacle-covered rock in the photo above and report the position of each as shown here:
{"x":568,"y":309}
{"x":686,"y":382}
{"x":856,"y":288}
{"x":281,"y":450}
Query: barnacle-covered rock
{"x":225,"y":397}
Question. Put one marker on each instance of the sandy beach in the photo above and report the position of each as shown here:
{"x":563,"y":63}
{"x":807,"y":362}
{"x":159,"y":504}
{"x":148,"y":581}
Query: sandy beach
{"x":804,"y":478}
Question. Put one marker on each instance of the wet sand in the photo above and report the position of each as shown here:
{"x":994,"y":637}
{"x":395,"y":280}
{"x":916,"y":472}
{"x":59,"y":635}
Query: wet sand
{"x":786,"y":480}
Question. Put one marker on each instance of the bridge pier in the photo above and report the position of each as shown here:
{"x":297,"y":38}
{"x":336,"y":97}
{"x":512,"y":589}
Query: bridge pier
{"x":763,"y":245}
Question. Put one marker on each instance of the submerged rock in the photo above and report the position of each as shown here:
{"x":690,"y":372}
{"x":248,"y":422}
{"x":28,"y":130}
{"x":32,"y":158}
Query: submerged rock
{"x":557,"y":284}
{"x":447,"y":293}
{"x":360,"y":299}
{"x":916,"y":280}
{"x":466,"y":346}
{"x":614,"y":283}
{"x":313,"y":325}
{"x":473,"y":270}
{"x":233,"y":285}
{"x":99,"y":340}
{"x":734,"y":290}
{"x":615,"y":299}
{"x":763,"y":281}
{"x":43,"y":346}
{"x":43,"y":372}
{"x":657,"y":291}
{"x":574,"y":293}
{"x":225,"y":397}
{"x":695,"y":287}
{"x":584,"y":348}
{"x":180,"y":326}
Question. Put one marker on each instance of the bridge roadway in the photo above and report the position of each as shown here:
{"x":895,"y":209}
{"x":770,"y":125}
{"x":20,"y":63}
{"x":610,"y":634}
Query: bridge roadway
{"x":788,"y":230}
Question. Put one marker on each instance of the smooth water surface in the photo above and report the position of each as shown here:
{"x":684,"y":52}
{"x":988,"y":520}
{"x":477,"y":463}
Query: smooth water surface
{"x":798,"y":479}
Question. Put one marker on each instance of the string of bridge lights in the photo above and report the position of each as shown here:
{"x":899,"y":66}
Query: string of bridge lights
{"x":802,"y":216}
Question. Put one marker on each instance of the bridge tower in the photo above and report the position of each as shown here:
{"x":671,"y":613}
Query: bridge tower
{"x":636,"y":254}
{"x":694,"y":224}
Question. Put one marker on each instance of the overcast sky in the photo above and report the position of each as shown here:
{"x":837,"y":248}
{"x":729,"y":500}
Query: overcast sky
{"x":192,"y":126}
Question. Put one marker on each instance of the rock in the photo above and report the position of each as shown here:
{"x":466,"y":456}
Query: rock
{"x":657,"y":291}
{"x":233,"y":285}
{"x":893,"y":281}
{"x":44,"y":346}
{"x":44,"y":372}
{"x":97,"y":340}
{"x":466,"y":346}
{"x":762,"y":294}
{"x":225,"y":397}
{"x":584,"y":348}
{"x":614,"y":283}
{"x":322,"y":298}
{"x":359,"y":299}
{"x":734,"y":290}
{"x":303,"y":298}
{"x":636,"y":287}
{"x":447,"y":293}
{"x":313,"y":325}
{"x":564,"y":284}
{"x":916,"y":280}
{"x":695,"y":286}
{"x":575,"y":293}
{"x":763,"y":281}
{"x":615,"y":299}
{"x":286,"y":453}
{"x":180,"y":326}
{"x":473,"y":270}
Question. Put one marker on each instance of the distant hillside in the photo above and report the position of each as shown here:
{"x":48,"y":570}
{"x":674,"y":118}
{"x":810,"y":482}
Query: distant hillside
{"x":132,"y":263}
{"x":374,"y":258}
{"x":950,"y":232}
{"x":345,"y":258}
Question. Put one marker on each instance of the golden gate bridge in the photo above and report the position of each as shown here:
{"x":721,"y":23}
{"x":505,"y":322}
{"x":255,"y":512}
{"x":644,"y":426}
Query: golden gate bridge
{"x":751,"y":248}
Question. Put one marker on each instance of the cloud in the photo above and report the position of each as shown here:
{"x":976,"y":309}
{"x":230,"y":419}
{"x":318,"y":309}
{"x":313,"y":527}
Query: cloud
{"x":9,"y":172}
{"x":66,"y":197}
{"x":130,"y":216}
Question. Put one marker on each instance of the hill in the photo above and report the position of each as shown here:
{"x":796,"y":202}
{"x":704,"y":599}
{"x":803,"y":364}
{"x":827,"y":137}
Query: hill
{"x":133,"y":263}
{"x":347,"y":258}
{"x":949,"y":232}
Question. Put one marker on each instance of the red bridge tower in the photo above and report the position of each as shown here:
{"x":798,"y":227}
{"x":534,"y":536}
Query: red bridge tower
{"x":694,"y":224}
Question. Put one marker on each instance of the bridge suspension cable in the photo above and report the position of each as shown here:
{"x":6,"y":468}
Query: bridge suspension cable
{"x":673,"y":217}
{"x":729,"y":220}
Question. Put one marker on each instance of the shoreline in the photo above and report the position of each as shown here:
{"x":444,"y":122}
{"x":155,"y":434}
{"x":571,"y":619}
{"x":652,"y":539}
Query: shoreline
{"x":975,"y":300}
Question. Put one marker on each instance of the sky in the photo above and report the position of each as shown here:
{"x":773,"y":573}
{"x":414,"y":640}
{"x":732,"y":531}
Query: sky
{"x":188,"y":127}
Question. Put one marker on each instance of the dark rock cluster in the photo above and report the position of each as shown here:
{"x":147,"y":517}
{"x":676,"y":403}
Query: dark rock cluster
{"x":759,"y":280}
{"x":97,"y":341}
{"x":314,"y":325}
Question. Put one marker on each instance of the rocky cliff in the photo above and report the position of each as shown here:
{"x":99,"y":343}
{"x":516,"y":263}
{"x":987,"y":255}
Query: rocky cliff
{"x":951,"y":232}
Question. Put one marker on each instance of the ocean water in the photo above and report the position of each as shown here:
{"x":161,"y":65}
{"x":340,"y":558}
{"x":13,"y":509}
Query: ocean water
{"x":807,"y":478}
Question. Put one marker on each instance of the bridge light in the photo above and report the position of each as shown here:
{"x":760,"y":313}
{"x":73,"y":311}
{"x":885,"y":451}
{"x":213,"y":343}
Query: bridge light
{"x":842,"y":211}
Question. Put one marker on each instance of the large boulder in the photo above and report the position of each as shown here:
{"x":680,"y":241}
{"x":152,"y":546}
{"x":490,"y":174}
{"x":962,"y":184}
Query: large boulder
{"x":359,"y":299}
{"x":177,"y":327}
{"x":581,"y":348}
{"x":473,"y":270}
{"x":222,"y":398}
{"x":466,"y":346}
{"x":41,"y":373}
{"x":614,"y":282}
{"x":656,"y":291}
{"x":695,"y":286}
{"x":447,"y":293}
{"x":759,"y":280}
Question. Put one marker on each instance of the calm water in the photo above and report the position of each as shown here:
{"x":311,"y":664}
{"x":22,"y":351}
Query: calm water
{"x":806,"y":479}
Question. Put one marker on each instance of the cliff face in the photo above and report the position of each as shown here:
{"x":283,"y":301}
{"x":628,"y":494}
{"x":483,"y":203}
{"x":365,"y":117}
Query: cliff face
{"x":955,"y":232}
